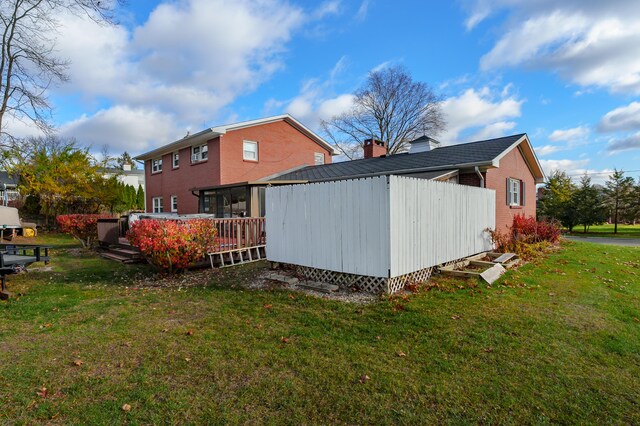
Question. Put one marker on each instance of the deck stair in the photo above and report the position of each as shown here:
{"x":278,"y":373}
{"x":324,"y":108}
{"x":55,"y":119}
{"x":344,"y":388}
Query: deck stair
{"x":122,"y":253}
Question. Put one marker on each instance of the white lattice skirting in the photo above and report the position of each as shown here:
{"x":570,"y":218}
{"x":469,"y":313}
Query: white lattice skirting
{"x":363,"y":282}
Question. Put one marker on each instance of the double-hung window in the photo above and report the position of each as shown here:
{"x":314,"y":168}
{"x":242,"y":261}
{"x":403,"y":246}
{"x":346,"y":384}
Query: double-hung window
{"x":199,"y":153}
{"x":175,"y":160}
{"x":250,"y":150}
{"x":318,"y":158}
{"x":515,"y":192}
{"x":174,"y":203}
{"x":156,"y":165}
{"x":157,"y":204}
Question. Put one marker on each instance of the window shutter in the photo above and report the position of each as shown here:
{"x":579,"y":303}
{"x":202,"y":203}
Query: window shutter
{"x":523,"y":192}
{"x":508,"y":192}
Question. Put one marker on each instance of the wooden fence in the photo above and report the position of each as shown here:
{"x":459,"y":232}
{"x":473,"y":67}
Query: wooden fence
{"x":384,"y":226}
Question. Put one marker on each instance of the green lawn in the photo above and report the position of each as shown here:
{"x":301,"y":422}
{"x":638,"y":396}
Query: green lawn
{"x":557,"y":341}
{"x":606,"y":230}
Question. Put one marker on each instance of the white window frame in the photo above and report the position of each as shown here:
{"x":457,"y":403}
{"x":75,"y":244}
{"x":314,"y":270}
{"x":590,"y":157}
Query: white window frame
{"x":253,"y":151}
{"x":515,"y":187}
{"x":199,"y":153}
{"x":318,"y":158}
{"x":175,"y":159}
{"x":174,"y":204}
{"x":156,"y":165}
{"x":156,"y":204}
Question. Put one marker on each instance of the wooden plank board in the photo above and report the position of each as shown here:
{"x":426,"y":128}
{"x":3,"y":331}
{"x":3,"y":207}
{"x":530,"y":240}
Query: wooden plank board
{"x":504,"y":257}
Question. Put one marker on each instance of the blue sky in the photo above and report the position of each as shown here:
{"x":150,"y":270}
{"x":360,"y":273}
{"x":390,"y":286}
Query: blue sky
{"x":565,"y":72}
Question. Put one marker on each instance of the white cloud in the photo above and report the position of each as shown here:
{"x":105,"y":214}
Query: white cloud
{"x":569,"y":135}
{"x":480,"y":110}
{"x":590,"y":43}
{"x":361,"y":14}
{"x":630,"y":142}
{"x":622,"y":118}
{"x":569,"y":166}
{"x":185,"y":64}
{"x":494,"y":130}
{"x":122,"y":129}
{"x":547,"y":150}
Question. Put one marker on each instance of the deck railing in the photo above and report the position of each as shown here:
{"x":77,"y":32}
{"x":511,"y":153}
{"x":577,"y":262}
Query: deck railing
{"x":237,"y":233}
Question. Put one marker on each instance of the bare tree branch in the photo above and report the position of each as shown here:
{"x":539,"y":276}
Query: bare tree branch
{"x":391,"y":107}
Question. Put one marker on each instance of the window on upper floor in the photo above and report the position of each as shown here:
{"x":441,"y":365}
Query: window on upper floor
{"x":175,"y":160}
{"x":515,"y":192}
{"x":156,"y":165}
{"x":318,"y":158}
{"x":250,"y":150}
{"x":199,"y":153}
{"x":157,"y":204}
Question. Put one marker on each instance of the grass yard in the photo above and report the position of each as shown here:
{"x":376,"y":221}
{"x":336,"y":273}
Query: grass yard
{"x":606,"y":230}
{"x":556,"y":341}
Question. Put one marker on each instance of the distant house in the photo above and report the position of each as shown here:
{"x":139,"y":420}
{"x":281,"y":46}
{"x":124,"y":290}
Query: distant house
{"x":221,"y":170}
{"x":127,"y":175}
{"x":9,"y":194}
{"x":507,"y":165}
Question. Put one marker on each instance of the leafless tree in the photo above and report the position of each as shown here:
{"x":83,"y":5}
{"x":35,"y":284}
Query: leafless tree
{"x":391,"y":107}
{"x":29,"y":65}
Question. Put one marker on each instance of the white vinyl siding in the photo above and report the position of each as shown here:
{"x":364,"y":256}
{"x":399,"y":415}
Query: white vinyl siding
{"x":176,"y":160}
{"x":157,"y":204}
{"x":199,"y":153}
{"x":250,"y":150}
{"x":174,"y":203}
{"x":156,"y":165}
{"x":381,"y":226}
{"x":318,"y":158}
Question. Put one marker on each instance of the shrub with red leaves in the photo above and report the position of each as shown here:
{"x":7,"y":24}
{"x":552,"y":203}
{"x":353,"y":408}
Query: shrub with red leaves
{"x":525,"y":236}
{"x":173,"y":245}
{"x":82,"y":227}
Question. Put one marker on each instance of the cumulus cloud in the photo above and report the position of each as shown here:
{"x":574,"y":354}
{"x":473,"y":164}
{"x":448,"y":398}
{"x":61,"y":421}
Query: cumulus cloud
{"x":547,"y":150}
{"x":569,"y":166}
{"x":621,"y":119}
{"x":179,"y":69}
{"x":483,"y":112}
{"x":625,"y":144}
{"x":569,"y":135}
{"x":590,"y":43}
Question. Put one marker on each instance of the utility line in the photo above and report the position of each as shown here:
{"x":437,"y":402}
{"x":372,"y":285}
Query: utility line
{"x":605,"y":173}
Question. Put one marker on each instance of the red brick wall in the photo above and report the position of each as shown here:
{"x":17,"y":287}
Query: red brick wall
{"x":280,"y":147}
{"x":470,"y":179}
{"x":514,"y":166}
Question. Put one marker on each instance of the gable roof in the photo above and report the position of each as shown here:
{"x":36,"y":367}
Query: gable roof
{"x":486,"y":153}
{"x":213,"y":132}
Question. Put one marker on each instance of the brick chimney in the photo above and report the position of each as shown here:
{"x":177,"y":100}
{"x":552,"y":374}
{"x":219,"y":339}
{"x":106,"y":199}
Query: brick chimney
{"x":374,"y":148}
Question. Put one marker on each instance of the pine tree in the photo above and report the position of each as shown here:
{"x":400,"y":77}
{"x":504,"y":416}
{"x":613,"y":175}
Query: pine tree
{"x":557,"y":200}
{"x":140,"y":203}
{"x":588,"y":204}
{"x":619,"y":193}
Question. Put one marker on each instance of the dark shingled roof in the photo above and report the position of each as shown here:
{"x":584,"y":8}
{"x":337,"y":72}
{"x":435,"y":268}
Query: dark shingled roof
{"x":8,"y":179}
{"x":444,"y":157}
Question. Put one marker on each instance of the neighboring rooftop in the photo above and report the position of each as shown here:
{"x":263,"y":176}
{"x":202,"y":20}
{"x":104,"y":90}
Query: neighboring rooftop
{"x":478,"y":153}
{"x":6,"y":178}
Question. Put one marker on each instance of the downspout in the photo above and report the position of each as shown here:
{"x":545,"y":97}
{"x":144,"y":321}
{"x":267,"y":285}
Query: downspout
{"x":480,"y":176}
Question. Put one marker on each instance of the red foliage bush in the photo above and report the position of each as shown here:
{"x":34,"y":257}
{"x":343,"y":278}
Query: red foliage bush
{"x":82,"y":227}
{"x":526,"y":235}
{"x":173,"y":245}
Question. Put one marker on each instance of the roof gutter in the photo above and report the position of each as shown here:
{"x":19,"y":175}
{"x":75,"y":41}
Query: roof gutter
{"x":480,"y":176}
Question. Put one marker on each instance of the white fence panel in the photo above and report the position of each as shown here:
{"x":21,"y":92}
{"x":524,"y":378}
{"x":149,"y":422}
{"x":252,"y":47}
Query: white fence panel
{"x":340,"y":226}
{"x":436,"y":222}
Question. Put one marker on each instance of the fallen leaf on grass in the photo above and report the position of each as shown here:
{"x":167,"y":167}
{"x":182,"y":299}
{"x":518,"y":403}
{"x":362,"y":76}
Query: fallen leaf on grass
{"x":164,"y":330}
{"x":401,"y":354}
{"x":268,"y":306}
{"x":364,"y":378}
{"x":488,"y":350}
{"x":284,"y":339}
{"x":189,"y":333}
{"x":126,"y":408}
{"x":378,"y":337}
{"x":455,"y":317}
{"x":77,"y":363}
{"x":42,"y":393}
{"x":552,"y":294}
{"x":187,"y":359}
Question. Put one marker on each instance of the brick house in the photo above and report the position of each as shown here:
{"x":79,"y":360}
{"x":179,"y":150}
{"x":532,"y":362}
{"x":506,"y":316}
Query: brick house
{"x":219,"y":170}
{"x":507,"y":165}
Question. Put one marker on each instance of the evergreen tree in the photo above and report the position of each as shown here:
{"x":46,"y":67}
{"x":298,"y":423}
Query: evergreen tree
{"x":140,"y":203}
{"x":557,"y":200}
{"x":619,"y":193}
{"x":588,"y":204}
